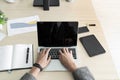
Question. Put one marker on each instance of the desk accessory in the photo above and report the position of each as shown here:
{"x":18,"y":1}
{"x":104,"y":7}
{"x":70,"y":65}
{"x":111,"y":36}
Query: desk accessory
{"x":92,"y":45}
{"x":13,"y":57}
{"x":46,"y":3}
{"x":38,"y":66}
{"x":83,"y":29}
{"x":27,"y":55}
{"x":92,"y":24}
{"x":22,"y":25}
{"x":10,"y":1}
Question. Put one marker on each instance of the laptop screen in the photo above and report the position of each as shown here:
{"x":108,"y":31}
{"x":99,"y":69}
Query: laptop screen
{"x":57,"y":34}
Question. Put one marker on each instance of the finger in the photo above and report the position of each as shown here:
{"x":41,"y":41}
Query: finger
{"x":47,"y":52}
{"x":39,"y":53}
{"x":71,"y":53}
{"x":43,"y":51}
{"x":60,"y":57}
{"x":67,"y":50}
{"x":64,"y":50}
{"x":60,"y":52}
{"x":49,"y":59}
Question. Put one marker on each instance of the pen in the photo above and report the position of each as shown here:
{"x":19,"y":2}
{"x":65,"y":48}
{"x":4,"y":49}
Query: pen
{"x":92,"y":24}
{"x":27,"y":55}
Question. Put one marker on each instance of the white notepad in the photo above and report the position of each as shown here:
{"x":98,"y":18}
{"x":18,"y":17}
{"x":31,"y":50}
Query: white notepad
{"x":13,"y":57}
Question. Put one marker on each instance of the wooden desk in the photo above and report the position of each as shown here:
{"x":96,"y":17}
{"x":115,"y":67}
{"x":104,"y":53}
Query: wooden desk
{"x":101,"y":66}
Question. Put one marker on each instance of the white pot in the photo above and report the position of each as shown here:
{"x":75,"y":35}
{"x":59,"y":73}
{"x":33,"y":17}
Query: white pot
{"x":1,"y":26}
{"x":10,"y":1}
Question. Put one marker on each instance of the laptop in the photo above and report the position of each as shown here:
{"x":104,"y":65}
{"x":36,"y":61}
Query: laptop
{"x":57,"y":35}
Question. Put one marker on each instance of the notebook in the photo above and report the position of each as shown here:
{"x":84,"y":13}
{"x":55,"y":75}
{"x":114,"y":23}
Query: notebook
{"x":13,"y":57}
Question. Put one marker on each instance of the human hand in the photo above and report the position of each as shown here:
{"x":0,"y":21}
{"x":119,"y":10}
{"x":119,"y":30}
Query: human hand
{"x":67,"y":59}
{"x":43,"y":58}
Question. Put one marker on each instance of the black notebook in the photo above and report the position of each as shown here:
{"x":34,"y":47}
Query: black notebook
{"x":16,"y":57}
{"x":92,"y":45}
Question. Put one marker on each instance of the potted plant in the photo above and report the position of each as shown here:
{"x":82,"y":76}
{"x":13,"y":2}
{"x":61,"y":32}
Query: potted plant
{"x":3,"y":19}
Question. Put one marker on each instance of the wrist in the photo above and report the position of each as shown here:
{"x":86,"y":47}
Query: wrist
{"x":35,"y":71}
{"x":37,"y":65}
{"x":73,"y":67}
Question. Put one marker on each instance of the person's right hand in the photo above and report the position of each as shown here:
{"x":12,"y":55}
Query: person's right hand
{"x":67,"y":59}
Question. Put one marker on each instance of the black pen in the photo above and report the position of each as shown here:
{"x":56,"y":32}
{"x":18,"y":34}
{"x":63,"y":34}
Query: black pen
{"x":27,"y":56}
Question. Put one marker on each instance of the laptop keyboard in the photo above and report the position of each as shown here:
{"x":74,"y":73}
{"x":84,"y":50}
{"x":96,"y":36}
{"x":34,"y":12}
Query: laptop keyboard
{"x":54,"y":52}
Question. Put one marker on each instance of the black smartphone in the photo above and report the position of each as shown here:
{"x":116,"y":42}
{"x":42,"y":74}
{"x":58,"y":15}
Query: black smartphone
{"x":83,"y":29}
{"x":92,"y":45}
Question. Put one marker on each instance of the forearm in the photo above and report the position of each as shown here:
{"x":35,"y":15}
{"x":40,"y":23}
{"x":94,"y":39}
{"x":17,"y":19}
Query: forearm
{"x":42,"y":61}
{"x":28,"y":76}
{"x":32,"y":75}
{"x":35,"y":71}
{"x":82,"y":74}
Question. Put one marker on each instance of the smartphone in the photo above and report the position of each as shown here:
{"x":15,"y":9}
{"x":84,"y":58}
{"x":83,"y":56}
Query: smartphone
{"x":83,"y":29}
{"x":92,"y":45}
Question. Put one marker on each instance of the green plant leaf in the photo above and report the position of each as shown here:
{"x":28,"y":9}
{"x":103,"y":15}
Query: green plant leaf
{"x":3,"y":18}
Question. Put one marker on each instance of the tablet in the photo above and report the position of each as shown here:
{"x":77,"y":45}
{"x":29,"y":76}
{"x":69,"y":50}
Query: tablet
{"x":92,"y":45}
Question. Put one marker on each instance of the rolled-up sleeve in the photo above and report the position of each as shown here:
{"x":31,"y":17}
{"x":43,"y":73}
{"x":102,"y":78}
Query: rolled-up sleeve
{"x":82,"y":74}
{"x":28,"y":76}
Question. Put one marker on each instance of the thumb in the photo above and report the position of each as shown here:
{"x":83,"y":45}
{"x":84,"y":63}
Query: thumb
{"x":49,"y":59}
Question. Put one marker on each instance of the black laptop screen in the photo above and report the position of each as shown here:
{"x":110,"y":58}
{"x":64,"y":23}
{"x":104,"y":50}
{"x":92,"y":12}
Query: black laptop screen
{"x":57,"y":34}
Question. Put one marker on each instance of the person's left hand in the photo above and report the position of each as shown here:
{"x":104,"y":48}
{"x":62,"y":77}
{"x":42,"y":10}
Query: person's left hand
{"x":43,"y":58}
